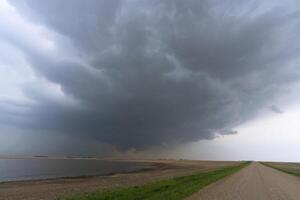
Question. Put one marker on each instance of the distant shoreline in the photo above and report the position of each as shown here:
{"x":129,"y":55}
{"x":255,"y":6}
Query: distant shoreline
{"x":76,"y":158}
{"x":51,"y":157}
{"x":112,"y":159}
{"x":62,"y":178}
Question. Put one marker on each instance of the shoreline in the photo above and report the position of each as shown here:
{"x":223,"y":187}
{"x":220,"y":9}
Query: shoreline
{"x":50,"y":189}
{"x":53,"y":157}
{"x":147,"y":167}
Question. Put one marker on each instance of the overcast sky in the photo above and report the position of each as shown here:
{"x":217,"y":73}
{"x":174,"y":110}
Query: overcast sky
{"x":215,"y":79}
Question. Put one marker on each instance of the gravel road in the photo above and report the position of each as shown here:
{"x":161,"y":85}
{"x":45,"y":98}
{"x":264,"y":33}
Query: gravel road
{"x":255,"y":182}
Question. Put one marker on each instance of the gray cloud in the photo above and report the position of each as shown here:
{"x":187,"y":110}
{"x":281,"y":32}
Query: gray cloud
{"x":228,"y":132}
{"x":276,"y":109}
{"x":148,"y":72}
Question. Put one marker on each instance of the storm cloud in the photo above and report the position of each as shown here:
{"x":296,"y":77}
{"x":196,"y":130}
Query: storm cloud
{"x":276,"y":109}
{"x":136,"y":74}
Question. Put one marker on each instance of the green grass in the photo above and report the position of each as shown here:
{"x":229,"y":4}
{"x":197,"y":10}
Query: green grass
{"x":170,"y":189}
{"x":286,"y":170}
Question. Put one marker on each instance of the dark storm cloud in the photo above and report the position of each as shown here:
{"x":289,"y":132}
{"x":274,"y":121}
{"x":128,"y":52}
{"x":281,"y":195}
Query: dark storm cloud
{"x":276,"y":109}
{"x":228,"y":132}
{"x":155,"y":71}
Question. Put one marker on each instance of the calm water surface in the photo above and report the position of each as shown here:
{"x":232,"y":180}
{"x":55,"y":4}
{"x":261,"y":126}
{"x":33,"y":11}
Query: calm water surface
{"x":28,"y":169}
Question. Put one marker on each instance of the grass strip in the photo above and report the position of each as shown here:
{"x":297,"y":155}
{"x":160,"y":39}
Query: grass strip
{"x":170,"y":189}
{"x":282,"y":169}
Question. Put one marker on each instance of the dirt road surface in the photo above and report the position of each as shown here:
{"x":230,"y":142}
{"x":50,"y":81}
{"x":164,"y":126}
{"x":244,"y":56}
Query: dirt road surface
{"x":255,"y":182}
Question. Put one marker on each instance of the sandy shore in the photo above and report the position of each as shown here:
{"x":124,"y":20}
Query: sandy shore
{"x":62,"y":187}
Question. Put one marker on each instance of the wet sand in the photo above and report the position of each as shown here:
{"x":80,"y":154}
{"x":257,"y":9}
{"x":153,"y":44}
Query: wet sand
{"x":62,"y":187}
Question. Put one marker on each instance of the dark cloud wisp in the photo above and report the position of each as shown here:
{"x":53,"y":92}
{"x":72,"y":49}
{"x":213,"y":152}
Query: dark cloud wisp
{"x":276,"y":109}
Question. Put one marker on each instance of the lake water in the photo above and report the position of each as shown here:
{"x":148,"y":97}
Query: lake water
{"x":28,"y":169}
